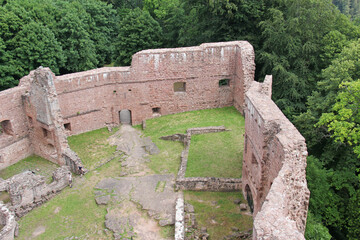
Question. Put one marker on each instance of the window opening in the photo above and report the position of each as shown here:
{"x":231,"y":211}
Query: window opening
{"x":224,"y":82}
{"x":156,"y":110}
{"x":67,"y":126}
{"x":45,"y":132}
{"x":179,"y":87}
{"x":5,"y":127}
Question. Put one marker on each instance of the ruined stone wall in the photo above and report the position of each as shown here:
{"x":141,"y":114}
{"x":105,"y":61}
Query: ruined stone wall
{"x":7,"y":222}
{"x":274,"y":168}
{"x":92,"y":99}
{"x":14,"y":139}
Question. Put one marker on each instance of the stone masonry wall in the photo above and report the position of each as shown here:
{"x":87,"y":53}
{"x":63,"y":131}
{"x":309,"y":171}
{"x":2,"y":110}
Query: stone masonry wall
{"x":92,"y":99}
{"x":14,"y":143}
{"x":7,"y":220}
{"x":274,"y":168}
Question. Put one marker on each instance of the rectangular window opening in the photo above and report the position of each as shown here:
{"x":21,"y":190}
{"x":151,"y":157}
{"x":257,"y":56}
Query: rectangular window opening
{"x":45,"y":132}
{"x":224,"y":82}
{"x":156,"y":110}
{"x":180,"y":87}
{"x":67,"y":126}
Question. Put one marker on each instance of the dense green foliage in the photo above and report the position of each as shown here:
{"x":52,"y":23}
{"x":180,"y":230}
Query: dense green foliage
{"x":310,"y":46}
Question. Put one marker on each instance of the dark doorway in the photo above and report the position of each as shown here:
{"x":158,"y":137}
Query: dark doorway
{"x":249,"y":198}
{"x":125,"y":116}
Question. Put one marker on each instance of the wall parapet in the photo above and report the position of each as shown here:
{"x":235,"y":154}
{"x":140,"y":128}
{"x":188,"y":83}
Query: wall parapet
{"x":274,"y":166}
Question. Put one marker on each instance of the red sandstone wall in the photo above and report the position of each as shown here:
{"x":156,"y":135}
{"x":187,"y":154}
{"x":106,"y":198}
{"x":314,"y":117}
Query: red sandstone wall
{"x":92,"y":99}
{"x":14,"y":146}
{"x":274,"y":168}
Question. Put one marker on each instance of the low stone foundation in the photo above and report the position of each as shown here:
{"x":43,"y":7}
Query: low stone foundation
{"x":201,"y":183}
{"x":179,"y":219}
{"x":7,"y":221}
{"x":28,"y":190}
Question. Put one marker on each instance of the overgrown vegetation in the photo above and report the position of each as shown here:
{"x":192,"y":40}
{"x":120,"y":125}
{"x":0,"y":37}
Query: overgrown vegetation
{"x":218,"y":213}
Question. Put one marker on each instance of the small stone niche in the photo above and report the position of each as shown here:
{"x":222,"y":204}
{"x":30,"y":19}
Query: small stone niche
{"x":180,"y":87}
{"x":156,"y":110}
{"x":6,"y":128}
{"x":46,"y":132}
{"x":67,"y":126}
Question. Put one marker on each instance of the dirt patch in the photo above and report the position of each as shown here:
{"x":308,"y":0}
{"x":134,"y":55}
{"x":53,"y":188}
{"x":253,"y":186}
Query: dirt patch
{"x":38,"y":231}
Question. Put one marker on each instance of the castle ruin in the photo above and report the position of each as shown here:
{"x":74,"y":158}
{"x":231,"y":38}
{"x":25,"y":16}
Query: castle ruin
{"x":38,"y":115}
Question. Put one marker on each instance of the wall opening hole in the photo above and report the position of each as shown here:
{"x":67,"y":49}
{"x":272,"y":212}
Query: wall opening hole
{"x":6,"y":128}
{"x":67,"y":126}
{"x":156,"y":110}
{"x":224,"y":82}
{"x":179,"y":87}
{"x":30,"y":121}
{"x":45,"y":132}
{"x":253,"y":159}
{"x":249,"y":198}
{"x":129,"y":90}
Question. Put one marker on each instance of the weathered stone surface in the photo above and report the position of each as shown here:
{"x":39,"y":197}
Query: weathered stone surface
{"x":102,"y":200}
{"x":7,"y":222}
{"x":274,"y":168}
{"x":28,"y":190}
{"x":243,"y":207}
{"x":142,"y":190}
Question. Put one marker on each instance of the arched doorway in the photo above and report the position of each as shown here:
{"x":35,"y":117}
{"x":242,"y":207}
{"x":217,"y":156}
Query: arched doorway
{"x":249,"y":198}
{"x":125,"y":116}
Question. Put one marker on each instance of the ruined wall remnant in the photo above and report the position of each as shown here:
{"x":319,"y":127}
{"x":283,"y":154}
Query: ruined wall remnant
{"x":7,"y":222}
{"x":200,"y":183}
{"x":28,"y":190}
{"x":274,"y":168}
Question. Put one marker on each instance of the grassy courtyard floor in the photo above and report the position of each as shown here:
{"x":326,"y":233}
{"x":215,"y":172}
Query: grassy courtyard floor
{"x":33,"y":163}
{"x":217,"y":212}
{"x":221,"y":153}
{"x":73,"y":214}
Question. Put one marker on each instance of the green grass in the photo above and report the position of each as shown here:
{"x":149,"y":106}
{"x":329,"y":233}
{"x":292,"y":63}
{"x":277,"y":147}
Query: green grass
{"x":93,"y":147}
{"x":169,"y":158}
{"x":79,"y":216}
{"x":34,"y":163}
{"x":217,"y":212}
{"x":216,"y":155}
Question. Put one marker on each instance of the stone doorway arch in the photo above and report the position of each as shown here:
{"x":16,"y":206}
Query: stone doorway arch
{"x":249,"y":198}
{"x":125,"y":117}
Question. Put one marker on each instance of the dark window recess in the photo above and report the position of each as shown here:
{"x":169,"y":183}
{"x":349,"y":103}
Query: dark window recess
{"x":45,"y":132}
{"x":156,"y":110}
{"x":5,"y":127}
{"x":224,"y":82}
{"x":30,"y":121}
{"x":179,"y":87}
{"x":253,"y":159}
{"x":67,"y":126}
